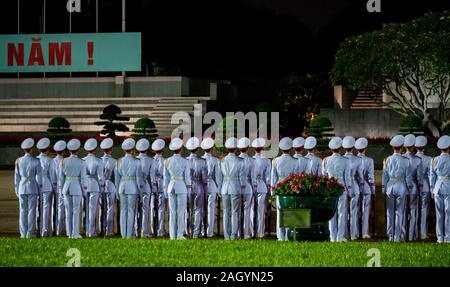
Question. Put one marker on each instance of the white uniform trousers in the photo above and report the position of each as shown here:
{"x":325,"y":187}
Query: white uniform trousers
{"x":144,"y":218}
{"x":177,"y":209}
{"x":46,"y":202}
{"x":338,"y":224}
{"x":91,"y":213}
{"x":60,"y":214}
{"x":442,"y":217}
{"x":413,"y":216}
{"x":281,"y":231}
{"x":211,"y":213}
{"x":110,"y":198}
{"x":231,"y":210}
{"x":354,"y":216}
{"x":72,"y":204}
{"x":159,"y":208}
{"x":424,"y":204}
{"x":247,"y":200}
{"x":366,"y":210}
{"x":27,"y":217}
{"x":127,"y":214}
{"x":395,"y":209}
{"x":260,"y":214}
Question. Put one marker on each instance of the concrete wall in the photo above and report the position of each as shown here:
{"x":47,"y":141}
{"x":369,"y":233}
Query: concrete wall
{"x":103,"y":87}
{"x":363,"y":122}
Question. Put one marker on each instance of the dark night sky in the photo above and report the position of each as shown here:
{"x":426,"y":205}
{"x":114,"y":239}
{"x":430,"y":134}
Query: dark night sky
{"x":227,"y":39}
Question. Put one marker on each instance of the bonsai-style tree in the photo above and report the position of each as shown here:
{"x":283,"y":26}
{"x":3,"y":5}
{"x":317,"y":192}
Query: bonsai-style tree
{"x":409,"y":63}
{"x":145,"y":128}
{"x":110,"y":114}
{"x":320,"y":127}
{"x":59,"y":125}
{"x":411,"y":125}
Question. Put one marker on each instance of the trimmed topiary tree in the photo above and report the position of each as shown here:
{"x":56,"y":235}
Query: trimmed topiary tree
{"x":145,"y":128}
{"x":59,"y":125}
{"x":110,"y":114}
{"x":320,"y":127}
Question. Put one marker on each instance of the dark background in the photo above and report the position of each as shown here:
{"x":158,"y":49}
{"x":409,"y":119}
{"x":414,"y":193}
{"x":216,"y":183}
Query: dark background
{"x":253,"y":43}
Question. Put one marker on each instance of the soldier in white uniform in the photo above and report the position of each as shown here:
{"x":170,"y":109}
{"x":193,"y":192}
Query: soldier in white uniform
{"x":60,"y":148}
{"x":196,"y":195}
{"x":109,"y":165}
{"x":424,"y":199}
{"x":413,"y":197}
{"x":282,"y":167}
{"x":261,"y":174}
{"x":95,"y":182}
{"x":304,"y":163}
{"x":27,"y":183}
{"x":247,"y":192}
{"x":214,"y":182}
{"x":72,"y":175}
{"x":339,"y":167}
{"x":158,"y":204}
{"x":357,"y":180}
{"x":315,"y":161}
{"x":145,"y":197}
{"x":367,"y":188}
{"x":129,"y":183}
{"x":49,"y":186}
{"x":440,"y":185}
{"x":232,"y":168}
{"x":177,"y":181}
{"x":397,"y":179}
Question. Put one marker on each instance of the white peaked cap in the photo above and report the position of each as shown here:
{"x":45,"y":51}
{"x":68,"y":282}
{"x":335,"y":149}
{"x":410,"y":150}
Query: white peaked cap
{"x":348,"y":142}
{"x":335,"y":143}
{"x":443,"y":142}
{"x":107,"y":143}
{"x":73,"y":144}
{"x":90,"y":144}
{"x":410,"y":140}
{"x":158,"y":144}
{"x":258,"y":143}
{"x":231,"y":142}
{"x":28,"y":143}
{"x":285,"y":143}
{"x":142,"y":145}
{"x":207,"y":143}
{"x":310,"y":143}
{"x":421,"y":141}
{"x":298,"y":142}
{"x":43,"y":143}
{"x":397,"y":141}
{"x":176,"y":144}
{"x":60,"y":145}
{"x":192,"y":143}
{"x":244,"y":142}
{"x":128,"y":144}
{"x":361,"y":143}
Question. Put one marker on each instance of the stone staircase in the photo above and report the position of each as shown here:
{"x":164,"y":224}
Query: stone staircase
{"x":33,"y":114}
{"x":364,"y":100}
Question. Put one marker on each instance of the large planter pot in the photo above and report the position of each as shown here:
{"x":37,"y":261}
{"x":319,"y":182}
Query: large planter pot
{"x":317,"y":211}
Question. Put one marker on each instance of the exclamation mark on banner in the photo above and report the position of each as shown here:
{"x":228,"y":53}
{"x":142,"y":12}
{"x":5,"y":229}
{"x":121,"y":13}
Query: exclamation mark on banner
{"x":90,"y":53}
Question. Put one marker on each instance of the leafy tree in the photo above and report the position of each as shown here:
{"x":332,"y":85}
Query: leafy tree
{"x":59,"y":125}
{"x":320,"y":127}
{"x":228,"y":126}
{"x":300,"y":98}
{"x":409,"y":63}
{"x":110,"y":114}
{"x":145,"y":128}
{"x":411,"y":125}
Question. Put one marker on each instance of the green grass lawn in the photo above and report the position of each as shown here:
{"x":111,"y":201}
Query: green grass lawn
{"x":205,"y":253}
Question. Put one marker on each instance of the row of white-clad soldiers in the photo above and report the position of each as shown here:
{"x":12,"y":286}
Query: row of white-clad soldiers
{"x":239,"y":181}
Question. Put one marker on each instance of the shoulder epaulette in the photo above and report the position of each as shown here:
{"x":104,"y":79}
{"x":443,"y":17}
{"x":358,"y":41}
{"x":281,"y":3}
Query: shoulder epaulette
{"x":17,"y":162}
{"x":384,"y":162}
{"x":325,"y":163}
{"x":166,"y":162}
{"x":433,"y":161}
{"x":61,"y":163}
{"x":274,"y":160}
